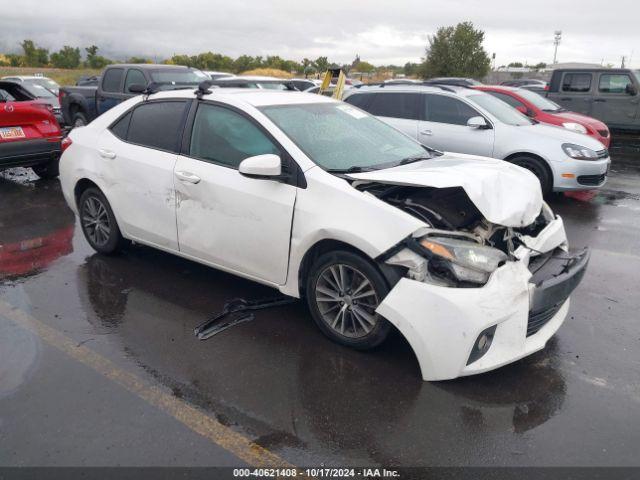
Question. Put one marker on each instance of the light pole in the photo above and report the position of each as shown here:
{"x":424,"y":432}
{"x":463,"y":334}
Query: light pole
{"x":556,"y":41}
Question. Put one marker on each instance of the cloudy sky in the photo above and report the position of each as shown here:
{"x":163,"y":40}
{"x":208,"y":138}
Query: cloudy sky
{"x":380,"y":32}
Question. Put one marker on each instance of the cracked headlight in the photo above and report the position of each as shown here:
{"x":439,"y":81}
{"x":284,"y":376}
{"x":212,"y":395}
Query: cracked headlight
{"x":465,"y":260}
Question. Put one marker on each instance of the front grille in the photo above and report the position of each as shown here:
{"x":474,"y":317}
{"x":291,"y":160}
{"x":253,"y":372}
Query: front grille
{"x":602,"y":153}
{"x":539,"y":319}
{"x":604,"y":133}
{"x":591,"y":179}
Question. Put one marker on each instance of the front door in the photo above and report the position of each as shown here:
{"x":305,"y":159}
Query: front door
{"x":224,"y":218}
{"x":612,"y":104}
{"x":445,"y":127}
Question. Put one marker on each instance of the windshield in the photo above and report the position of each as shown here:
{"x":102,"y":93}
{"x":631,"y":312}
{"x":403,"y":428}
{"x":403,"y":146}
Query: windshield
{"x":337,"y":136}
{"x":273,"y":86}
{"x":500,"y":110}
{"x":539,"y":101}
{"x":181,"y":77}
{"x":37,"y":90}
{"x":47,"y":83}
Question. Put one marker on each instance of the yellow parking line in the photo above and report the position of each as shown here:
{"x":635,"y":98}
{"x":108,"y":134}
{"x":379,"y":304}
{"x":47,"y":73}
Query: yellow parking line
{"x":193,"y":418}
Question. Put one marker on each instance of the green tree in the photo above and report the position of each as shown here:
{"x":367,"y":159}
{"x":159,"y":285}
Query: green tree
{"x":34,"y":56}
{"x":94,"y":60}
{"x":540,"y":66}
{"x":364,"y":67}
{"x":15,"y":60}
{"x":456,"y":52}
{"x":321,"y":64}
{"x":410,"y":69}
{"x":516,"y":65}
{"x":66,"y":57}
{"x":138,"y":60}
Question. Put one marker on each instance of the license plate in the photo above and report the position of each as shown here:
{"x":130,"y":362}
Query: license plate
{"x":11,"y":132}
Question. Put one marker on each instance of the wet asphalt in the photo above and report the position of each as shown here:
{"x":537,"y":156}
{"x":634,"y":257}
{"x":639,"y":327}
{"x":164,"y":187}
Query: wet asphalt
{"x":278,"y":381}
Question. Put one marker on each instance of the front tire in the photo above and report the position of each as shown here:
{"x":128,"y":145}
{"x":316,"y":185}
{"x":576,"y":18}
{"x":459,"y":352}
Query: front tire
{"x":343,"y":291}
{"x":98,"y":222}
{"x":536,"y":167}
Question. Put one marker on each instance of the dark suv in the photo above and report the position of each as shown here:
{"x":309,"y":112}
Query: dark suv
{"x":610,"y":95}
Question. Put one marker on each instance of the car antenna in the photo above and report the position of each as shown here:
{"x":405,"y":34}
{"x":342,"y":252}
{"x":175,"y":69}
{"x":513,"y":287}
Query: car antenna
{"x":203,"y":89}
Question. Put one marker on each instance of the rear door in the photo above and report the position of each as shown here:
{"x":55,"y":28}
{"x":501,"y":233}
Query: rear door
{"x":139,"y":152}
{"x":224,"y":218}
{"x":612,"y":104}
{"x":399,"y":109}
{"x":444,"y":127}
{"x":575,"y":92}
{"x":110,"y":92}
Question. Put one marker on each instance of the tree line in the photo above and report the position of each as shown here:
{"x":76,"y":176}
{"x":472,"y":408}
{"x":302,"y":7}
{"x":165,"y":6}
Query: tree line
{"x":452,"y":51}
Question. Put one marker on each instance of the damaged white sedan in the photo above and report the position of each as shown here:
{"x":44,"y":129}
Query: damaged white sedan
{"x":323,"y":201}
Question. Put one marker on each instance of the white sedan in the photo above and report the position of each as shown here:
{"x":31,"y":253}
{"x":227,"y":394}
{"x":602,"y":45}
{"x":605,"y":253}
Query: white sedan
{"x":320,"y":200}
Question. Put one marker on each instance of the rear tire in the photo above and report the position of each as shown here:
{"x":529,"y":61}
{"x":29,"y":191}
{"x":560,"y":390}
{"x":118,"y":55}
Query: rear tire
{"x":79,"y":119}
{"x":538,"y":168}
{"x":48,"y":170}
{"x":98,"y":222}
{"x":343,"y":291}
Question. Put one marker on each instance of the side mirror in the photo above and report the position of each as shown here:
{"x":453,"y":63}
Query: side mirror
{"x":261,"y":166}
{"x":631,"y":89}
{"x":478,"y":123}
{"x":137,"y":88}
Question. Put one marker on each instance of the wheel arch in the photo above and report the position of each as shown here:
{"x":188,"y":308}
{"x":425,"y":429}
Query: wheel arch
{"x":391,"y":275}
{"x":545,"y":164}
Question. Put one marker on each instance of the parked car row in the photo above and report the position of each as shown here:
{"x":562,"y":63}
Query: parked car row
{"x":322,"y":200}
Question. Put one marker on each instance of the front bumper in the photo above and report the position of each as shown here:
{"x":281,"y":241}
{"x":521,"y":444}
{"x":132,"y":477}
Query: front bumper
{"x":442,"y":324}
{"x":28,"y":153}
{"x":571,"y":174}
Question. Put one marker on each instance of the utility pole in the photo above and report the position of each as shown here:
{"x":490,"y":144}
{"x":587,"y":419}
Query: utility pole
{"x":556,"y":41}
{"x":622,"y":63}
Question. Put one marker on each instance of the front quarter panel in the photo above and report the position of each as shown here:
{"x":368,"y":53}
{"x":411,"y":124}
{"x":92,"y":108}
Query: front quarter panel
{"x":331,"y":209}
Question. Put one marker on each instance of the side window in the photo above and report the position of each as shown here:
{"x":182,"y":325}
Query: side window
{"x":223,"y":136}
{"x":443,"y":109}
{"x":361,"y":100}
{"x":121,"y":127}
{"x":157,"y":125}
{"x":507,"y":99}
{"x":614,"y":83}
{"x":134,"y":77}
{"x":395,"y":105}
{"x":576,"y":82}
{"x":112,"y":80}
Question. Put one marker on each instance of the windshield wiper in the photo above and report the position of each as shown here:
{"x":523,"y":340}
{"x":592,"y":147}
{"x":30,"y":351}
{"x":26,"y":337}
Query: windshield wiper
{"x":353,"y":169}
{"x":413,"y":159}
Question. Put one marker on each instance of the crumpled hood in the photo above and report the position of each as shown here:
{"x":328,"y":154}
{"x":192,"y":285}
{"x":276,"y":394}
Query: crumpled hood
{"x":505,"y":194}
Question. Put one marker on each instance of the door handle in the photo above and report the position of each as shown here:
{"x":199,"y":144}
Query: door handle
{"x":187,"y":177}
{"x":426,"y":132}
{"x":566,"y":99}
{"x":599,"y":100}
{"x":107,"y":154}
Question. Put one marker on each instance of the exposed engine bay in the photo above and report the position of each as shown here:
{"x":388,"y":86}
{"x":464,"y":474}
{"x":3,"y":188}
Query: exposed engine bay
{"x":461,"y":248}
{"x":450,"y":209}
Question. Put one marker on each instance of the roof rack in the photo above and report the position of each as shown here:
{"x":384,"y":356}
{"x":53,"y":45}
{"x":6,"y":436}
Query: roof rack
{"x":446,"y":88}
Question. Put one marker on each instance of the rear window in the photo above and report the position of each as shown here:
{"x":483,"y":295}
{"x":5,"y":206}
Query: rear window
{"x":576,"y":82}
{"x":112,"y":80}
{"x":395,"y":105}
{"x":157,"y":125}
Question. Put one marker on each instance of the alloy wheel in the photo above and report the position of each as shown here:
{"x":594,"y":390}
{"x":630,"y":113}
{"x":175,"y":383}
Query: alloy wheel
{"x":347,"y":300}
{"x":95,"y":221}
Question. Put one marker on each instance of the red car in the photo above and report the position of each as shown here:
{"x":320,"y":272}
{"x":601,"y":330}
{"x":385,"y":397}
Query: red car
{"x":546,"y":111}
{"x":29,"y":133}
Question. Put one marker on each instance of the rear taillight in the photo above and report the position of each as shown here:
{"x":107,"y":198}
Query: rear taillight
{"x":66,"y":143}
{"x":46,"y":106}
{"x":546,"y":88}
